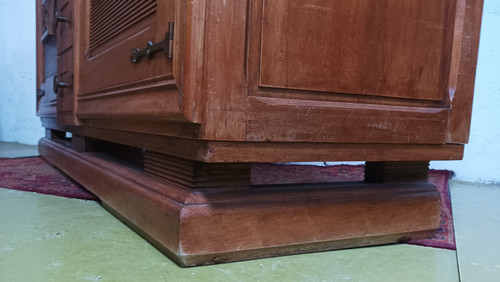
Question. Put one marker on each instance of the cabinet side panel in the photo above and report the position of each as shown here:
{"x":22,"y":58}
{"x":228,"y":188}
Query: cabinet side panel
{"x":224,"y":56}
{"x":192,"y":16}
{"x":461,"y":102}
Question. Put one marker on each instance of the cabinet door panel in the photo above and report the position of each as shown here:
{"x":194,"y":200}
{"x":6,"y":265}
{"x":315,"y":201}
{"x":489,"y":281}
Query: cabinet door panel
{"x":114,"y":29}
{"x":387,"y":48}
{"x":46,"y":58}
{"x":65,"y":71}
{"x":65,"y":29}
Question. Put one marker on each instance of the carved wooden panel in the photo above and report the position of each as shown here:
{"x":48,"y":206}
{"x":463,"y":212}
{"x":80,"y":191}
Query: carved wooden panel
{"x":110,"y":18}
{"x":111,"y":31}
{"x":384,"y":48}
{"x":47,"y":20}
{"x":46,"y":58}
{"x":65,"y":72}
{"x":50,"y":58}
{"x":193,"y":174}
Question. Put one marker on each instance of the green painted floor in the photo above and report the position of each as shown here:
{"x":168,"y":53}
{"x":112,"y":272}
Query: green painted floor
{"x":476,"y":212}
{"x":48,"y":238}
{"x":16,"y":150}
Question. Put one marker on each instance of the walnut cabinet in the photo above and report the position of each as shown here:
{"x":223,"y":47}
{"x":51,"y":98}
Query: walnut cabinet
{"x":170,"y":102}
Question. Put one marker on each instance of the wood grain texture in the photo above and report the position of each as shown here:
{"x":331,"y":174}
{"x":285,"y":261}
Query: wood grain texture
{"x":225,"y":84}
{"x":193,"y":174}
{"x":382,"y":48}
{"x":110,"y":18}
{"x":153,"y":99}
{"x":215,"y":78}
{"x":283,"y":120}
{"x":114,"y":60}
{"x":146,"y":207}
{"x":65,"y":34}
{"x":217,"y":151}
{"x":462,"y":90}
{"x":200,"y":227}
{"x":167,"y":144}
{"x":145,"y":90}
{"x":297,"y":121}
{"x":192,"y":15}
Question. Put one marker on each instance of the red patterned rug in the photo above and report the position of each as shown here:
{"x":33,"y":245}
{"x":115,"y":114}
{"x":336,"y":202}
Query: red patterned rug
{"x":36,"y":175}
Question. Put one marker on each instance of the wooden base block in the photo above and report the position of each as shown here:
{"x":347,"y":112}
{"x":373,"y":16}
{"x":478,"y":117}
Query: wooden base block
{"x":197,"y":226}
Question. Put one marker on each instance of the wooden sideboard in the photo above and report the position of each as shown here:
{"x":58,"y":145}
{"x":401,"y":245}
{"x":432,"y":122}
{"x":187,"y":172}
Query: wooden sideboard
{"x":161,"y":107}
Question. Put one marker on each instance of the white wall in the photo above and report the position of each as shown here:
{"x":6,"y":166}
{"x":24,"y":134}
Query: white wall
{"x":17,"y":90}
{"x":481,"y":161}
{"x":18,"y":122}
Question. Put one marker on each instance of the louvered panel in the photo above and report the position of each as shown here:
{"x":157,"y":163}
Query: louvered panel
{"x":192,"y":174}
{"x":50,"y":58}
{"x":109,"y":18}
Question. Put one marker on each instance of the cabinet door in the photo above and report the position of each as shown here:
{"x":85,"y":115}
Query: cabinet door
{"x":65,"y":75}
{"x":46,"y":58}
{"x":379,"y":48}
{"x":361,"y":71}
{"x":110,"y":83}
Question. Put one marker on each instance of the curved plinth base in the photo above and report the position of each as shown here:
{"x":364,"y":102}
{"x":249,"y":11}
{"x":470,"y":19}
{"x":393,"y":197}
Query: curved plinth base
{"x":205,"y":226}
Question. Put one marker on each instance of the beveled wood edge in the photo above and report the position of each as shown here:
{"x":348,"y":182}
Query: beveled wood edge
{"x":118,"y":185}
{"x":208,"y":259}
{"x":258,"y":194}
{"x":467,"y":48}
{"x":39,"y":48}
{"x":226,"y":151}
{"x":164,"y":81}
{"x":281,"y":120}
{"x":192,"y":15}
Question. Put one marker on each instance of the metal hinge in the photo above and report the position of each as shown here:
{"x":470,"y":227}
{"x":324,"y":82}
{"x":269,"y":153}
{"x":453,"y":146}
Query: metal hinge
{"x":167,"y":46}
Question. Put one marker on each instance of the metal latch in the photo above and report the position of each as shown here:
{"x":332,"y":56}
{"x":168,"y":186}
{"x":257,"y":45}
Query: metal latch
{"x":167,"y":46}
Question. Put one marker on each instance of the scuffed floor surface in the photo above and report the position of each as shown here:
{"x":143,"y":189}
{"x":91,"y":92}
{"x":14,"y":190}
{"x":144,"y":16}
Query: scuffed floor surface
{"x":48,"y":238}
{"x":16,"y":150}
{"x":476,"y":213}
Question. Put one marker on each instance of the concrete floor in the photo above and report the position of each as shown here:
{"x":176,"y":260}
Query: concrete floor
{"x":16,"y":150}
{"x":48,"y":238}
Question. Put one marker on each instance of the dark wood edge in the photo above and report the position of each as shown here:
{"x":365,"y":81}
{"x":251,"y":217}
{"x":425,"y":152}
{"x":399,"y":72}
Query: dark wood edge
{"x":467,"y":45}
{"x":208,"y":259}
{"x":225,"y":151}
{"x":160,"y":212}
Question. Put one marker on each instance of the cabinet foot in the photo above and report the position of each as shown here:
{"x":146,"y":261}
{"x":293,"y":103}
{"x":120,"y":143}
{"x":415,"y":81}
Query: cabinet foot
{"x":197,"y":225}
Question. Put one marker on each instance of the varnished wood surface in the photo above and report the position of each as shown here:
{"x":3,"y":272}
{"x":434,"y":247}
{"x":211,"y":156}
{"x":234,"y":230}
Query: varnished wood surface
{"x":216,"y":151}
{"x":282,"y":120}
{"x":114,"y":59}
{"x":289,"y":123}
{"x":65,"y":36}
{"x":390,"y":90}
{"x":212,"y":227}
{"x":194,"y":174}
{"x":113,"y":87}
{"x":464,"y":70}
{"x":257,"y":81}
{"x":381,"y":48}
